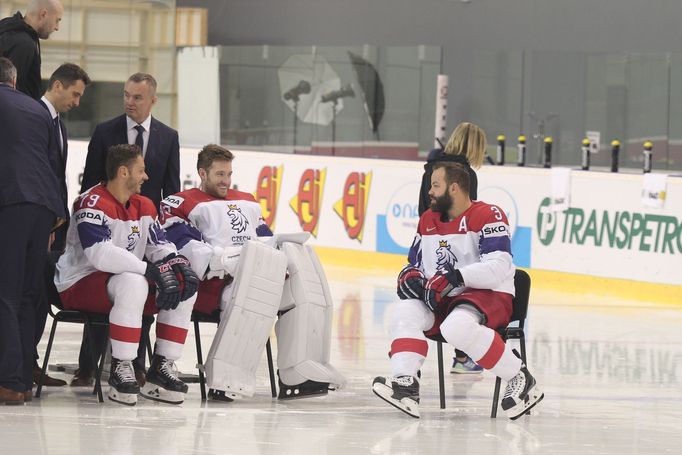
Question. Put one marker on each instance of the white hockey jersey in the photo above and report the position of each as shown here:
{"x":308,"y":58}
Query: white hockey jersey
{"x":104,"y":235}
{"x":196,"y":222}
{"x":477,"y":243}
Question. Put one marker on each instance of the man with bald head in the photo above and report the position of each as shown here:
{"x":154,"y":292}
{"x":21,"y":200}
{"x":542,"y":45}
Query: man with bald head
{"x":20,"y":41}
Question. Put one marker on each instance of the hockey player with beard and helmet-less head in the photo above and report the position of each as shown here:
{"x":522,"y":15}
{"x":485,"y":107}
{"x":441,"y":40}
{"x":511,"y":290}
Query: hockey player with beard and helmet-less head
{"x":459,"y":283}
{"x":103,"y":270}
{"x":216,"y":227}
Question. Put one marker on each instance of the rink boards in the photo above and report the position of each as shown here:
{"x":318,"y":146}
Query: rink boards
{"x":603,"y":238}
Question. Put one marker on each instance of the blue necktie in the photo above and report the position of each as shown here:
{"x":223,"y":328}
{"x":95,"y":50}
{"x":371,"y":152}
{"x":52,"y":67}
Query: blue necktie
{"x":139,"y":140}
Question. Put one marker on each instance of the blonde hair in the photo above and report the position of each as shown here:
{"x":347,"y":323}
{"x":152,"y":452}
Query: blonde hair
{"x":472,"y":137}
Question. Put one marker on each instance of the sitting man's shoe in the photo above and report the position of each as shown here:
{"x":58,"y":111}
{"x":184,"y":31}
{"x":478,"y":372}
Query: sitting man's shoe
{"x":466,"y":366}
{"x":140,"y":376}
{"x":218,"y":395}
{"x":11,"y":397}
{"x":28,"y":395}
{"x":82,"y":379}
{"x":47,"y":380}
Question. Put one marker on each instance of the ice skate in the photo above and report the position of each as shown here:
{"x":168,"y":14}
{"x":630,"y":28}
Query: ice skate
{"x":521,"y":394}
{"x":401,"y":392}
{"x":124,"y":388}
{"x":305,"y":389}
{"x":163,"y":383}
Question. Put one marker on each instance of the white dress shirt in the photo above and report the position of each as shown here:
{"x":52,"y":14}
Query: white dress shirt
{"x":132,"y":132}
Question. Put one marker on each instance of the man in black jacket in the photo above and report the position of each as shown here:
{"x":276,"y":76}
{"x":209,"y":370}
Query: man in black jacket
{"x":30,"y":206}
{"x":64,"y":91}
{"x":20,"y":41}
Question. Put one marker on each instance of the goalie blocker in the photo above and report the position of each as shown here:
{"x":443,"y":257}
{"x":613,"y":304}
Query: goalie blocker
{"x":258,"y":293}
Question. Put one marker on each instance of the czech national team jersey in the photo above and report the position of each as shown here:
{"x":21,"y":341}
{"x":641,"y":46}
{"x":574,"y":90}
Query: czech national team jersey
{"x":106,"y":236}
{"x":196,"y":222}
{"x":477,"y":243}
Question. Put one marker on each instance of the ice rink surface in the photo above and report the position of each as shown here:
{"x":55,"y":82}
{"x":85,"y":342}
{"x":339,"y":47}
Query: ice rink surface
{"x":610,"y":369}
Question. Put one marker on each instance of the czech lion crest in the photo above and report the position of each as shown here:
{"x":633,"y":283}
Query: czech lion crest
{"x":237,"y":219}
{"x":444,"y":255}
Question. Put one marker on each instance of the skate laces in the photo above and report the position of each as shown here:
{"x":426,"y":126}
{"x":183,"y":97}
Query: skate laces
{"x":124,"y":370}
{"x":169,"y":369}
{"x":405,"y":381}
{"x":516,"y":385}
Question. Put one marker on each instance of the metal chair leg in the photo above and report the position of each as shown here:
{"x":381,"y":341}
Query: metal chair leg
{"x":98,"y":376}
{"x":441,"y":375}
{"x":97,"y":389}
{"x":273,"y":386}
{"x":47,"y":357}
{"x":200,"y":361}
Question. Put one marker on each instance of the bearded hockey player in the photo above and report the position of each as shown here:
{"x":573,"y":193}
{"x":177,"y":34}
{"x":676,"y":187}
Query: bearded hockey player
{"x":460,"y":283}
{"x":251,"y":283}
{"x":103,"y":270}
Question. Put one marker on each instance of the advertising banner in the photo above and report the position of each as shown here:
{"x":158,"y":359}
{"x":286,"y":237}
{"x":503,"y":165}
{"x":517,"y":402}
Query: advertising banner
{"x":371,"y":205}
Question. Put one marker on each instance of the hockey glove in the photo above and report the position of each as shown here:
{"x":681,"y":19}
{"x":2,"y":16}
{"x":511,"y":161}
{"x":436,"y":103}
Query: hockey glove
{"x":440,"y":285}
{"x":411,"y":283}
{"x":167,"y":285}
{"x":189,"y":281}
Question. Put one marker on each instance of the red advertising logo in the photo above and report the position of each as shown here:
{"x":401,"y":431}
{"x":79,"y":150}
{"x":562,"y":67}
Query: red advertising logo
{"x":352,"y":206}
{"x":306,"y":204}
{"x":267,"y":192}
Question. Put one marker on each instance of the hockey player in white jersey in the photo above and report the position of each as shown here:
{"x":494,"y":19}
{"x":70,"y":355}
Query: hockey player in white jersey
{"x":217,"y":229}
{"x":103,"y":270}
{"x":459,"y":283}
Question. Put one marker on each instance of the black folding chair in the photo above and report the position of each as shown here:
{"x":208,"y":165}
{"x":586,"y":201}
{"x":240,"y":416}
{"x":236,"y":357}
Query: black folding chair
{"x":199,"y":317}
{"x":74,"y":317}
{"x":519,"y":314}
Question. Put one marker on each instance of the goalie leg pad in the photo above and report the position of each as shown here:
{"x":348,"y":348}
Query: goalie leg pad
{"x":304,"y":332}
{"x":247,"y":320}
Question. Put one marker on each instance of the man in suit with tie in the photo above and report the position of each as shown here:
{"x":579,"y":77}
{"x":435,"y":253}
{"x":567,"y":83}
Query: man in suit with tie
{"x":161,"y":151}
{"x":64,"y":91}
{"x":30,"y":206}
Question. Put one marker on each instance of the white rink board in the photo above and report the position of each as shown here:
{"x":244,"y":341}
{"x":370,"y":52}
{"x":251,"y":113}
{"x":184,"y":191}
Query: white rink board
{"x":379,"y":200}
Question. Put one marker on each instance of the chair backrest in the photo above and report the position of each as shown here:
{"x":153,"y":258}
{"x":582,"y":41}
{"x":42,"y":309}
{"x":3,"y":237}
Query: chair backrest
{"x":522,"y":291}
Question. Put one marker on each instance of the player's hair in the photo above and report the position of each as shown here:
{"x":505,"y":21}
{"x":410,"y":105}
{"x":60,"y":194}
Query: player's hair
{"x":7,"y":70}
{"x":454,"y":173}
{"x":120,"y":155}
{"x":144,"y":77}
{"x":469,"y":140}
{"x":68,"y":74}
{"x":211,"y":153}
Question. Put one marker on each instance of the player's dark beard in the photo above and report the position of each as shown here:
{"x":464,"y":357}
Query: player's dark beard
{"x":442,"y":203}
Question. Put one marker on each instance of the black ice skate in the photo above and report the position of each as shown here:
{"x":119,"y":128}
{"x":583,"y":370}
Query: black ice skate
{"x":124,"y":388}
{"x":219,"y":395}
{"x":305,"y":389}
{"x":521,"y":394}
{"x":163,"y":383}
{"x":401,"y":392}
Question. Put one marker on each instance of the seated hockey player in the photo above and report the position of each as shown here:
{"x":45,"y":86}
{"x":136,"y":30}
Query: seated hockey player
{"x":460,"y":283}
{"x":217,"y":229}
{"x":113,"y":229}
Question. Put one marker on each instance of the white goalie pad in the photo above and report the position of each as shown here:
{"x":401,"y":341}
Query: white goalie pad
{"x":247,"y":320}
{"x":304,"y":332}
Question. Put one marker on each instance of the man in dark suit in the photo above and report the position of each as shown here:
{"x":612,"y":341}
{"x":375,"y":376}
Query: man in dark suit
{"x":161,"y":151}
{"x":20,"y":41}
{"x":64,"y":91}
{"x":30,"y":206}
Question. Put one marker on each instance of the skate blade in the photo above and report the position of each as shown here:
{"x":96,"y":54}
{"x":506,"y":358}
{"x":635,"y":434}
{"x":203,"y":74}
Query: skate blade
{"x":128,"y":399}
{"x":409,"y":407}
{"x":524,"y":408}
{"x":154,"y":392}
